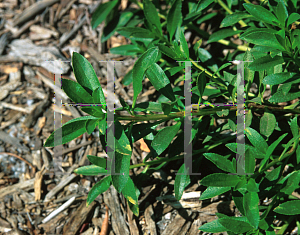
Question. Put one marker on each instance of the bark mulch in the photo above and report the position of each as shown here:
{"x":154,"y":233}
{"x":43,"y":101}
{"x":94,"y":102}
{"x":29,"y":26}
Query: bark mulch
{"x":39,"y":193}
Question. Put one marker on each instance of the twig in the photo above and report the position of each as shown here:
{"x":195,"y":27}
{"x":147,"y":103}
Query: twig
{"x":22,"y":159}
{"x":104,"y":228}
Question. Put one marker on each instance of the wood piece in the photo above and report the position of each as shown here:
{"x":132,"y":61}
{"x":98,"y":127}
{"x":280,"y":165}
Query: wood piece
{"x":76,"y":220}
{"x":58,"y":210}
{"x":12,"y":140}
{"x":32,"y":11}
{"x":38,"y":184}
{"x":149,"y":214}
{"x":3,"y":42}
{"x":58,"y":187}
{"x":28,"y":184}
{"x":175,"y":226}
{"x":188,"y":200}
{"x":104,"y":227}
{"x":132,"y":224}
{"x":14,"y":82}
{"x":118,"y":222}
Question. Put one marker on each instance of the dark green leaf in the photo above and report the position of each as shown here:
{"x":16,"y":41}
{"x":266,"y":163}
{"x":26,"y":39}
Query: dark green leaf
{"x":182,"y":180}
{"x":294,"y":127}
{"x":98,"y":161}
{"x":102,"y":12}
{"x":221,"y":34}
{"x":289,"y":208}
{"x":163,"y":139}
{"x":211,"y":192}
{"x":263,"y":39}
{"x":256,"y":139}
{"x":213,"y":227}
{"x":220,"y":180}
{"x":292,"y":18}
{"x":84,"y":73}
{"x":129,"y":192}
{"x":91,"y":125}
{"x":174,"y":18}
{"x":281,"y":78}
{"x":265,"y":62}
{"x":233,"y":18}
{"x":251,"y":201}
{"x":139,"y":69}
{"x":76,"y":92}
{"x":232,"y":224}
{"x":183,"y":44}
{"x":95,"y":111}
{"x":261,"y":13}
{"x":151,"y":15}
{"x":203,"y":4}
{"x":128,"y":50}
{"x":168,"y":51}
{"x":97,"y":189}
{"x":220,"y":161}
{"x":139,"y":34}
{"x":160,"y":81}
{"x":70,"y":131}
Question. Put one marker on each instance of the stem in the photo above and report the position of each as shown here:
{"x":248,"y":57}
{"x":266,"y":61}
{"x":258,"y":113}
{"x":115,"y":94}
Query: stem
{"x":222,"y":4}
{"x":154,"y":162}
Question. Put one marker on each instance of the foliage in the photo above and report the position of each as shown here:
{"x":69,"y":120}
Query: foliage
{"x":271,"y":40}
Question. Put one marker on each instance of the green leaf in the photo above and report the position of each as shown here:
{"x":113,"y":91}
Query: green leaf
{"x":256,"y":139}
{"x":294,"y":127}
{"x":130,"y":193}
{"x":76,"y":92}
{"x":128,"y":50}
{"x":281,"y":13}
{"x":102,"y":12}
{"x":263,"y":39}
{"x":265,"y":62}
{"x":84,"y":73}
{"x":220,"y":180}
{"x":252,"y":186}
{"x":168,"y":51}
{"x":267,"y":124}
{"x":292,"y":182}
{"x":70,"y":130}
{"x":221,"y":34}
{"x":163,"y":139}
{"x":91,"y":170}
{"x":98,"y":161}
{"x":213,"y":227}
{"x":91,"y":125}
{"x":97,"y":189}
{"x":282,"y":96}
{"x":94,"y":111}
{"x":139,"y":69}
{"x":138,"y":34}
{"x":237,"y":197}
{"x":292,"y":18}
{"x":203,"y":4}
{"x":261,"y":13}
{"x":270,"y":150}
{"x":151,"y":15}
{"x":122,"y":141}
{"x":281,"y":78}
{"x":220,"y":161}
{"x":183,"y":44}
{"x":251,"y":201}
{"x":289,"y":208}
{"x":211,"y":192}
{"x":160,"y":81}
{"x":233,"y":225}
{"x":233,"y":18}
{"x":99,"y":98}
{"x":182,"y":180}
{"x":122,"y":163}
{"x":174,"y":18}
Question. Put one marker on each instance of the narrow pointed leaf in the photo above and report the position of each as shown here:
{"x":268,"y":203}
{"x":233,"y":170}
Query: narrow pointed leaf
{"x":102,"y":12}
{"x":288,"y":208}
{"x":220,"y":180}
{"x":97,"y":189}
{"x":174,"y":18}
{"x":251,"y":201}
{"x":261,"y":13}
{"x":182,"y":180}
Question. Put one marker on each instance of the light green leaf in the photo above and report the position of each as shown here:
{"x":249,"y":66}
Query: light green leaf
{"x":289,"y":208}
{"x":281,"y":78}
{"x":265,"y":62}
{"x":129,"y":192}
{"x":91,"y":170}
{"x":233,"y":225}
{"x":221,"y":34}
{"x":211,"y":192}
{"x":98,"y":161}
{"x":267,"y":124}
{"x":233,"y":18}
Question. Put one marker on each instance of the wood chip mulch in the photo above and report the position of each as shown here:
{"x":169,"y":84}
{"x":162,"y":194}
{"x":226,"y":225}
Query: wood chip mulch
{"x":37,"y":198}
